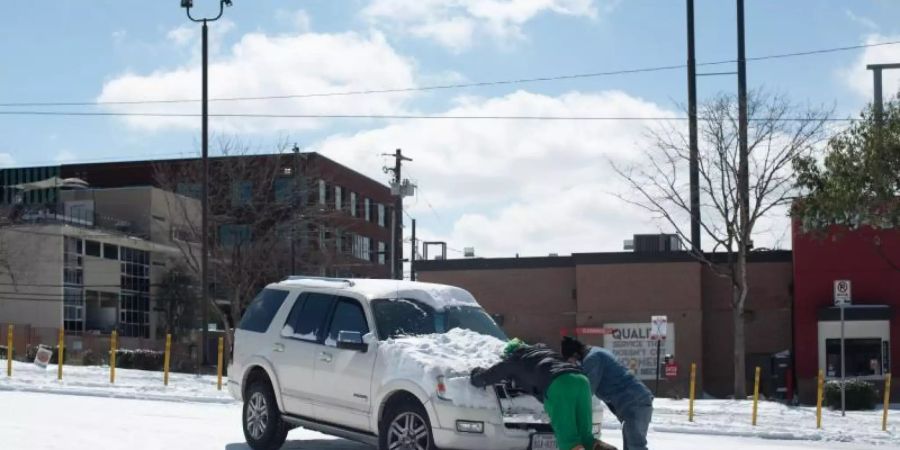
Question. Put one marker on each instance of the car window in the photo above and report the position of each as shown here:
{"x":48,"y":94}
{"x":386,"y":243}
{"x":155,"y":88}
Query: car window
{"x":262,"y":309}
{"x":402,"y":317}
{"x":348,"y":316}
{"x":307,"y":319}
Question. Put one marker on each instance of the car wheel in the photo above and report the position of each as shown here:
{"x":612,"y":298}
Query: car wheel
{"x":406,"y":427}
{"x":263,"y":428}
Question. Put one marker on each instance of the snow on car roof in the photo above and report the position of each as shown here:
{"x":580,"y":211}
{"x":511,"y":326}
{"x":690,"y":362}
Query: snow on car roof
{"x":438,"y":296}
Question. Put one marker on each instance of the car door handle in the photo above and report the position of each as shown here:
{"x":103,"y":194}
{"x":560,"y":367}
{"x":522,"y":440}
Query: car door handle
{"x":325,"y":357}
{"x":279,"y":347}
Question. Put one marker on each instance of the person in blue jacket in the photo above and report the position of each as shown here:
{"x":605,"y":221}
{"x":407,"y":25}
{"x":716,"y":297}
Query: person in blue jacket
{"x":625,"y":396}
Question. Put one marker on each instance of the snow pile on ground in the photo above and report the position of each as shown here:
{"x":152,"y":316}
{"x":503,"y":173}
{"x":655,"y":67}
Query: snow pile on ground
{"x":775,"y":421}
{"x":452,"y":355}
{"x":133,"y":384}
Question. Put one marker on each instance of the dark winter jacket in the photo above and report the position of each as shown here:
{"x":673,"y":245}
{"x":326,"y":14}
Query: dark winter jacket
{"x":531,"y":367}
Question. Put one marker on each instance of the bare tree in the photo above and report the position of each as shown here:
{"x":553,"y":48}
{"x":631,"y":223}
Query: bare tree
{"x":260,"y":205}
{"x":778,"y":133}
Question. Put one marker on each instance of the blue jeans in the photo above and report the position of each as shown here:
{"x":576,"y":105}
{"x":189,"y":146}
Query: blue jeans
{"x":635,"y":424}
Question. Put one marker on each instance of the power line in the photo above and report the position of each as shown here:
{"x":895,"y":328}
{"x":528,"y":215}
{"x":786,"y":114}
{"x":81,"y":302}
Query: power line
{"x":456,"y":85}
{"x":410,"y":116}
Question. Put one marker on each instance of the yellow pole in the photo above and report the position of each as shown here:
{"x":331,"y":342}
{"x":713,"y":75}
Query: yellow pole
{"x":693,"y":386}
{"x":166,"y":359}
{"x":112,"y":356}
{"x":62,"y":353}
{"x":755,"y":395}
{"x":221,"y":351}
{"x":10,"y":347}
{"x":887,"y":401}
{"x":819,"y":388}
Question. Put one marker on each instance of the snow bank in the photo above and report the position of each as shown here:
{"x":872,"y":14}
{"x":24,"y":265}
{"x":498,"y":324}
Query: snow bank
{"x":93,"y":381}
{"x":453,"y":355}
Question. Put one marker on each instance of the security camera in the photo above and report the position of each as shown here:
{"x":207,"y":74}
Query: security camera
{"x":187,"y":4}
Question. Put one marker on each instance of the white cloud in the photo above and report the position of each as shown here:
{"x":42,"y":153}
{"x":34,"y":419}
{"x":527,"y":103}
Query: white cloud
{"x":299,"y":20}
{"x":456,"y":23}
{"x":862,"y":21}
{"x":264,"y":65}
{"x":860,"y":80}
{"x":7,"y":160}
{"x":508,"y":186}
{"x":64,"y":156}
{"x":182,"y":35}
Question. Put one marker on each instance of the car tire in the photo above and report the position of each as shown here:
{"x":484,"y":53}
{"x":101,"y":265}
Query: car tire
{"x":406,"y":422}
{"x":263,"y":427}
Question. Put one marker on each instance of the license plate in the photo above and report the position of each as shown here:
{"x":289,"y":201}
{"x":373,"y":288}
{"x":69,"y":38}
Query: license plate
{"x":543,"y":442}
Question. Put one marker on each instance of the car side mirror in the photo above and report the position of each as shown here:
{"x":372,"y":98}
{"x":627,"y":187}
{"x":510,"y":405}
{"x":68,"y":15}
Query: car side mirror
{"x":352,"y":340}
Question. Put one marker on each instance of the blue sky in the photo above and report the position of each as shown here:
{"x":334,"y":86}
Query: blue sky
{"x":126,"y":50}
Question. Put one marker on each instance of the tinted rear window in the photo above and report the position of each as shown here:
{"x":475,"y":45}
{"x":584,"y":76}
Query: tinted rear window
{"x":261,"y":311}
{"x":307,"y":321}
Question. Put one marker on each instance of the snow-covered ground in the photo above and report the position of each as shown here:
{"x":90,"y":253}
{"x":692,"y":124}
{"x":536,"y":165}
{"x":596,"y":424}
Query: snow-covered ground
{"x":139,"y":413}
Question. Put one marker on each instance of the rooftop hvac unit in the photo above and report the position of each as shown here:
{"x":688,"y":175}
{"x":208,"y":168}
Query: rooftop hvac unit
{"x":656,"y":243}
{"x":628,"y":245}
{"x":469,"y":252}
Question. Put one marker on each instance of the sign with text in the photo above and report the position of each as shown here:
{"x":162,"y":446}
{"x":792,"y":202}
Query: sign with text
{"x":842,"y":292}
{"x":658,"y":326}
{"x":671,"y":369}
{"x":633,"y":346}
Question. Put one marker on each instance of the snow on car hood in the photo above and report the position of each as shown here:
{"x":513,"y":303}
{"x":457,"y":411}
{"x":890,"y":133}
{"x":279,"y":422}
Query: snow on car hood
{"x":454,"y":354}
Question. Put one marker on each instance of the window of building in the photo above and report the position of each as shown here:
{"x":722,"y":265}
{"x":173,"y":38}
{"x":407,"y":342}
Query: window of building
{"x":73,"y":291}
{"x":348,"y":316}
{"x":323,"y":192}
{"x":73,"y":309}
{"x":362,"y":248}
{"x":864,"y":357}
{"x":134,"y":299}
{"x":284,"y":190}
{"x":381,"y":215}
{"x":338,"y":198}
{"x":367,"y":210}
{"x":262,"y":310}
{"x":193,"y":190}
{"x":92,"y":248}
{"x":241,"y":193}
{"x":110,"y":251}
{"x":382,"y":253}
{"x":353,"y":210}
{"x":307,"y":319}
{"x":231,"y":235}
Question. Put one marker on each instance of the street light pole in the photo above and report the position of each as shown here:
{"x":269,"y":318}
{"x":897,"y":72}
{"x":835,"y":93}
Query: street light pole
{"x":204,"y":238}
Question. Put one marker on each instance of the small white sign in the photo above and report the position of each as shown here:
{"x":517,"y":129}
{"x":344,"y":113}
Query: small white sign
{"x":658,"y":328}
{"x":842,"y":292}
{"x":42,"y":357}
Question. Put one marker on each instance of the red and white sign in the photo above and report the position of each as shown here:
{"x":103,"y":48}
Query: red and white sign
{"x":658,"y":328}
{"x":588,"y":331}
{"x":842,"y":293}
{"x":671,"y":369}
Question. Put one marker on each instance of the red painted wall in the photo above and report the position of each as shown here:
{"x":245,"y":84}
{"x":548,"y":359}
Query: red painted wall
{"x":843,"y":254}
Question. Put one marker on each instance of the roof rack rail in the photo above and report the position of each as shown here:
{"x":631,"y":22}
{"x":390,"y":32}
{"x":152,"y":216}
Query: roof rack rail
{"x":303,"y":277}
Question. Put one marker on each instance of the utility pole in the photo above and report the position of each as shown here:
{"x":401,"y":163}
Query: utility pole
{"x":412,"y":254}
{"x":399,"y":189}
{"x":743,"y":164}
{"x":878,"y":101}
{"x":692,"y":127}
{"x":294,"y":193}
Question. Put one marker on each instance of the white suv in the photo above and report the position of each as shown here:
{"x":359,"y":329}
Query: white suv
{"x":306,"y":354}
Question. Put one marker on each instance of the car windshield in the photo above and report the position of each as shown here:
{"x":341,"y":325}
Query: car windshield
{"x":404,"y":317}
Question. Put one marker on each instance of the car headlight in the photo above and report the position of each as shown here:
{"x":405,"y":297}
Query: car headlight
{"x":596,"y":429}
{"x":465,"y":426}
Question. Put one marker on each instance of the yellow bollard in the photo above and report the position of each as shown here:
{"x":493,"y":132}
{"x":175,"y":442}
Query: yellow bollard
{"x":10,"y":347}
{"x":166,"y":359}
{"x":62,"y":353}
{"x":820,"y":387}
{"x":887,"y":401}
{"x":756,"y":395}
{"x":693,"y":386}
{"x":112,"y":356}
{"x":221,"y":351}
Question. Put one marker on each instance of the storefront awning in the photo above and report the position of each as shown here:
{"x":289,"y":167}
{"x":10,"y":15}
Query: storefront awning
{"x":855,"y":312}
